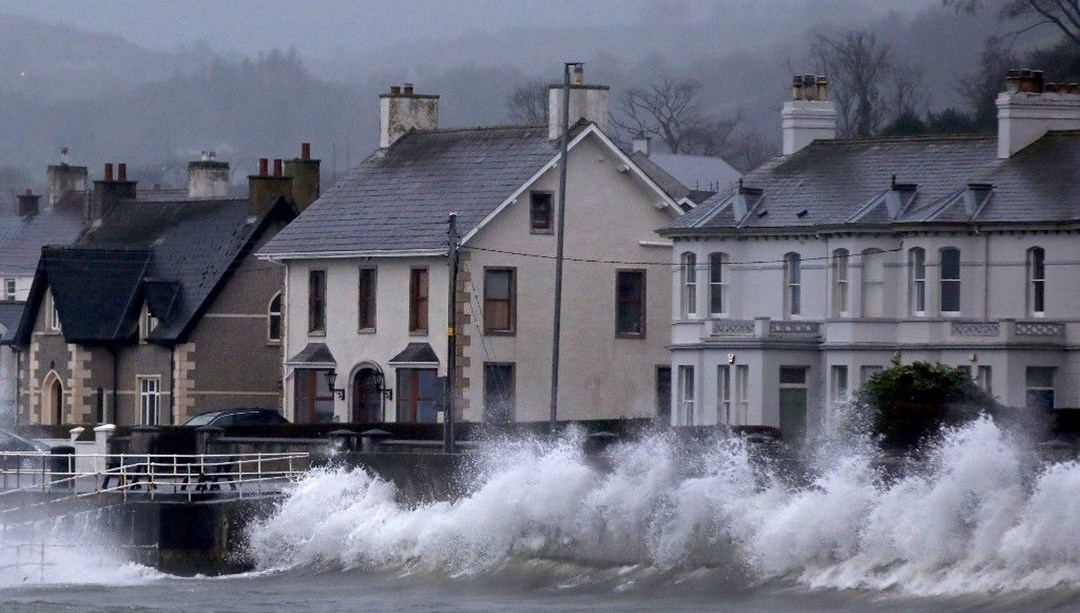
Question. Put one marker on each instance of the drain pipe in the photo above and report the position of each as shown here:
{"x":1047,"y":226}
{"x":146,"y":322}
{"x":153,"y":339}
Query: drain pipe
{"x":115,"y":379}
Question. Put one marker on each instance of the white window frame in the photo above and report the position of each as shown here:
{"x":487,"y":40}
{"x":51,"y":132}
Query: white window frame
{"x":147,"y":323}
{"x":841,"y":273}
{"x":792,"y":285}
{"x":52,"y":322}
{"x":872,"y":260}
{"x":984,"y":378}
{"x":1036,"y":282}
{"x":950,"y":281}
{"x":9,"y":289}
{"x":1028,"y":387}
{"x":688,"y":265}
{"x":149,"y":388}
{"x":271,"y":313}
{"x":718,"y":282}
{"x":917,"y":263}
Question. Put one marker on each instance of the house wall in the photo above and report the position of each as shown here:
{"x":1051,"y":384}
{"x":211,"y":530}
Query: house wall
{"x":8,"y":384}
{"x":350,"y":347}
{"x":994,"y":291}
{"x":229,"y":361}
{"x":601,"y":376}
{"x":609,"y":213}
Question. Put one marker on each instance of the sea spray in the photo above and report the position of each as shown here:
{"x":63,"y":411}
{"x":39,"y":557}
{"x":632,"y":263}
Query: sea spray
{"x":976,"y":516}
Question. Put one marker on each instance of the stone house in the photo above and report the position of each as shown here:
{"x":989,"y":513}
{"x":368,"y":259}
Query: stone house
{"x":367,"y":279}
{"x":160,"y":310}
{"x":829,"y":261}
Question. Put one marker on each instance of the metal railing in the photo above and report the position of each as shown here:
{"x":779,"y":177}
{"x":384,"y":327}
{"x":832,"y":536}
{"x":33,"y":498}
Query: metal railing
{"x":147,"y":475}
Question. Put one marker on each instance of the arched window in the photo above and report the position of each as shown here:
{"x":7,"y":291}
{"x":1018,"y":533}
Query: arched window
{"x":840,"y":282}
{"x":718,"y":282}
{"x":273,"y":324}
{"x":917,"y":280}
{"x":689,"y":284}
{"x":873,"y":283}
{"x":950,"y":281}
{"x":792,"y":284}
{"x":1036,"y":281}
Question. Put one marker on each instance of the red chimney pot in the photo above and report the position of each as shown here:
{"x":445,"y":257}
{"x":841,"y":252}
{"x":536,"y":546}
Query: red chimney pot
{"x":277,"y":167}
{"x":264,"y":164}
{"x":305,"y":151}
{"x":121,"y":171}
{"x":108,"y":171}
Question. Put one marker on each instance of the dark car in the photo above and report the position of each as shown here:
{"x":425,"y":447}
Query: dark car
{"x":9,"y":441}
{"x":238,"y":417}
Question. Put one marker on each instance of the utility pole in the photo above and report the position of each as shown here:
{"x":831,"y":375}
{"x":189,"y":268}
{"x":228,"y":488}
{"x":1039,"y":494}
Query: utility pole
{"x":451,"y":339}
{"x":564,"y":142}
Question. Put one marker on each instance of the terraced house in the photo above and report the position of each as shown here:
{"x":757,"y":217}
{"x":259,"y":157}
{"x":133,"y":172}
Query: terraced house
{"x":367,"y":281}
{"x":160,"y":310}
{"x":826,"y":263}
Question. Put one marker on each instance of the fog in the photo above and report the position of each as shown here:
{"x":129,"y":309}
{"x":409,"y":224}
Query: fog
{"x":154,"y":83}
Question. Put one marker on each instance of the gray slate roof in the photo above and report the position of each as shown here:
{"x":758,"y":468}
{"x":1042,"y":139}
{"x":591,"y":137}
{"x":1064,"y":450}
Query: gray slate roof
{"x":697,"y":172}
{"x":846,"y":182}
{"x":21,"y":238}
{"x":174,"y":256}
{"x":399,"y":199}
{"x":10,"y":312}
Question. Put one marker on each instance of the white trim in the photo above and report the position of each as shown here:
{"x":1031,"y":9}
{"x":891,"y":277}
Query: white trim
{"x":592,"y":129}
{"x":420,"y":365}
{"x":232,"y":392}
{"x":236,"y":315}
{"x":666,"y":244}
{"x":374,"y":253}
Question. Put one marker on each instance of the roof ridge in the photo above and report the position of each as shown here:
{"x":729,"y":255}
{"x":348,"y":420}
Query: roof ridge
{"x":497,"y":127}
{"x":905,"y":139}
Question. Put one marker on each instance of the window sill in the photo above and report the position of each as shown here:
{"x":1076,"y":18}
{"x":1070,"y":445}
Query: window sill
{"x":418,"y":332}
{"x":273,"y":343}
{"x":319,"y":333}
{"x":538,"y":231}
{"x":500,"y":332}
{"x":629,"y":336}
{"x":366,"y":331}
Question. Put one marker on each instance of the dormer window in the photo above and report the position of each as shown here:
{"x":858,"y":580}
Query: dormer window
{"x":52,"y":322}
{"x":540,"y":212}
{"x":147,"y":323}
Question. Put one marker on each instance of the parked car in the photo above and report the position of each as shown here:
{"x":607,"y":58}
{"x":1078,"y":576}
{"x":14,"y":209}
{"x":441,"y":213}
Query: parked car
{"x":9,"y":441}
{"x":238,"y":417}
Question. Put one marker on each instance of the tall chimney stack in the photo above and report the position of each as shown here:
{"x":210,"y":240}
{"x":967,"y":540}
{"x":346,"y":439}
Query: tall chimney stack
{"x":28,"y":203}
{"x":304,"y":173}
{"x":108,"y":192}
{"x":208,"y":178}
{"x":402,"y":110}
{"x":66,"y":181}
{"x":588,"y":102}
{"x":809,"y":115}
{"x":1029,"y":108}
{"x":264,"y":189}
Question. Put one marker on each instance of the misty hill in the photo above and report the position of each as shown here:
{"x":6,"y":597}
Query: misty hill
{"x":110,"y":100}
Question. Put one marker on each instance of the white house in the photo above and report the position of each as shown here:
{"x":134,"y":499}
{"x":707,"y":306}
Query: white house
{"x":829,"y":261}
{"x":367,"y":278}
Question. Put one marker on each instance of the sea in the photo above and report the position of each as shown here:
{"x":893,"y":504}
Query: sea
{"x":978,"y":523}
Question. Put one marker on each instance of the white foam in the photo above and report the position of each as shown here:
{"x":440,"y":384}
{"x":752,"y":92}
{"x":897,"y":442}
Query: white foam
{"x":978,"y":520}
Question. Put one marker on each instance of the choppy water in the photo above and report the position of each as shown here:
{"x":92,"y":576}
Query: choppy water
{"x":669,"y":527}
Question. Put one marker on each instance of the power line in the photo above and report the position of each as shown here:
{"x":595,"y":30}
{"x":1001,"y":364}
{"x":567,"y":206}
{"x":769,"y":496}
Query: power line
{"x":673,"y":265}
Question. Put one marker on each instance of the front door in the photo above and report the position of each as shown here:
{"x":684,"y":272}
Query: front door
{"x":793,"y":396}
{"x":366,"y":399}
{"x":57,"y":397}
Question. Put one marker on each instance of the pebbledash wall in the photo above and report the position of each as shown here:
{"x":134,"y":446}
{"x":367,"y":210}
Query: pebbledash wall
{"x":199,"y":375}
{"x":602,"y":376}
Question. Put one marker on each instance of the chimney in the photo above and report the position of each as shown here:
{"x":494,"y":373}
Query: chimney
{"x":809,"y":115}
{"x":641,"y":144}
{"x":208,"y":178}
{"x":28,"y":203}
{"x":402,"y":110}
{"x":64,"y":180}
{"x":108,"y":192}
{"x":588,"y":102}
{"x":264,"y":189}
{"x":1029,"y":108}
{"x":304,"y":173}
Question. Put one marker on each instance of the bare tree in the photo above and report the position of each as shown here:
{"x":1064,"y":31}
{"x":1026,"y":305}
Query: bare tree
{"x":857,"y":67}
{"x":1062,"y":14}
{"x":710,"y":136}
{"x":529,"y":103}
{"x":666,"y":109}
{"x":748,"y":148}
{"x":980,"y":89}
{"x":908,"y":94}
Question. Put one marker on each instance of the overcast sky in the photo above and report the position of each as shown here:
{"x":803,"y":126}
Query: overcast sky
{"x":327,"y":27}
